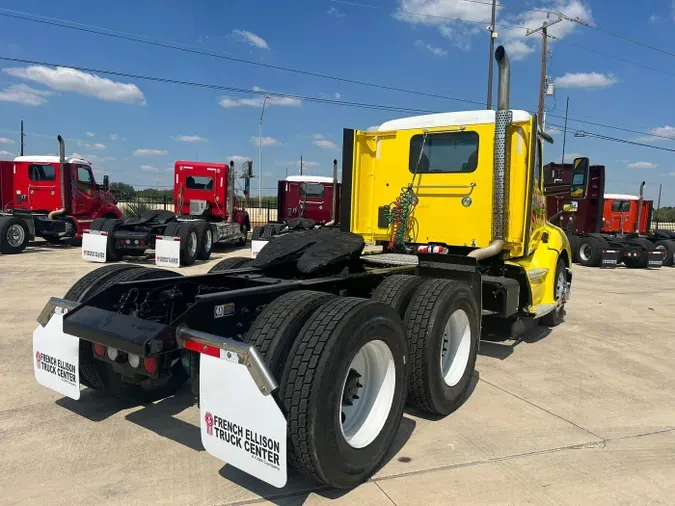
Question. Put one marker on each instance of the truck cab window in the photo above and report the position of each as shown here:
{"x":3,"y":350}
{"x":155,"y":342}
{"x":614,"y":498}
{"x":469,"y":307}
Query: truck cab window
{"x":41,"y":172}
{"x":311,"y":190}
{"x":621,"y":206}
{"x":444,"y":153}
{"x":198,"y":183}
{"x":84,"y":177}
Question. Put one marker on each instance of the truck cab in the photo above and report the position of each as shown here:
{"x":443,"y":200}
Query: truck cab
{"x":52,"y":197}
{"x":621,"y":214}
{"x":309,"y":197}
{"x":200,"y":189}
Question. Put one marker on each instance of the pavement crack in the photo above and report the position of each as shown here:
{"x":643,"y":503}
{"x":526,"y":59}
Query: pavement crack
{"x":560,"y":417}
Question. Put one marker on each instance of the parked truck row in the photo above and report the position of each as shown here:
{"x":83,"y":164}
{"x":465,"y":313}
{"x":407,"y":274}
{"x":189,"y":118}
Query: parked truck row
{"x":308,"y":353}
{"x":605,"y":229}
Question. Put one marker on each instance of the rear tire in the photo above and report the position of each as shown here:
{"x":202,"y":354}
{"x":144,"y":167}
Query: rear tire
{"x":348,"y":347}
{"x":97,"y":224}
{"x":244,"y":236}
{"x":589,"y":252}
{"x":13,"y":235}
{"x":668,"y":247}
{"x":269,"y":231}
{"x":397,"y":291}
{"x":275,"y":329}
{"x":111,"y":226}
{"x":443,"y":325}
{"x":189,"y":243}
{"x":231,"y":263}
{"x":205,"y":238}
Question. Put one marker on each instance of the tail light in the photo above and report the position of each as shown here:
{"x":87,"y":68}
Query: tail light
{"x":134,"y":360}
{"x":150,"y":365}
{"x":99,"y":350}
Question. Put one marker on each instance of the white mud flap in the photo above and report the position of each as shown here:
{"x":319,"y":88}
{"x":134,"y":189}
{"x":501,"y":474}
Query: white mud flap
{"x":240,"y":424}
{"x":56,"y":357}
{"x":256,"y":246}
{"x":167,"y":251}
{"x":94,"y":246}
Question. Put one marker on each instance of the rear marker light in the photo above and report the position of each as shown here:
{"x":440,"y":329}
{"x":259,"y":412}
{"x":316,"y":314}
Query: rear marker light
{"x":134,"y":360}
{"x":99,"y":350}
{"x":150,"y":365}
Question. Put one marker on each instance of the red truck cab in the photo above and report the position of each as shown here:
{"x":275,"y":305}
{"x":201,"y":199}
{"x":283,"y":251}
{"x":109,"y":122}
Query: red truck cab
{"x":309,"y":197}
{"x":620,"y":214}
{"x":200,"y":189}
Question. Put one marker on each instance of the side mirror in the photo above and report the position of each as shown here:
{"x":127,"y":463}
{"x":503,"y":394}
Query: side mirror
{"x":106,"y":183}
{"x":579,"y":186}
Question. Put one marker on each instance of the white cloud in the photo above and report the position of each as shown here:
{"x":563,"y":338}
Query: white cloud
{"x":5,"y":140}
{"x":189,"y":138}
{"x":323,"y":143}
{"x":334,"y":12}
{"x":468,"y":20}
{"x":145,"y":153}
{"x":296,"y":163}
{"x":272,"y":100}
{"x":372,"y":128}
{"x":150,"y":169}
{"x":642,"y":165}
{"x":4,"y":154}
{"x":24,"y":94}
{"x":658,"y":134}
{"x":585,"y":80}
{"x":250,"y":38}
{"x":334,"y":95}
{"x":114,"y":137}
{"x":97,"y":146}
{"x":552,"y":131}
{"x":654,"y":18}
{"x":91,"y":134}
{"x":437,"y":51}
{"x":264,"y":141}
{"x":71,"y":80}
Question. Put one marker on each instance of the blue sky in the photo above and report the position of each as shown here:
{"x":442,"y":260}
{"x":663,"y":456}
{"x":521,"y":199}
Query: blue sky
{"x":134,"y":129}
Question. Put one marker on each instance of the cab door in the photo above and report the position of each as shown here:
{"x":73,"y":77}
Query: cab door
{"x":84,"y":195}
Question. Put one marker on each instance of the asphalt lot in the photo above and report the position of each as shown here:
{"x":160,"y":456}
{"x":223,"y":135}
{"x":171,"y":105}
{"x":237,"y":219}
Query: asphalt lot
{"x":582,"y":414}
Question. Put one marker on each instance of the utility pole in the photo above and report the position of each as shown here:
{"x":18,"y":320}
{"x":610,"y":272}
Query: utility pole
{"x":544,"y":55}
{"x":567,"y":106}
{"x":21,"y":136}
{"x":301,"y":165}
{"x":260,"y":175}
{"x":493,"y":36}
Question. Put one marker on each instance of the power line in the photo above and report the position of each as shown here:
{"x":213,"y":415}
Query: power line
{"x":188,"y":49}
{"x":670,"y":138}
{"x":584,"y":133}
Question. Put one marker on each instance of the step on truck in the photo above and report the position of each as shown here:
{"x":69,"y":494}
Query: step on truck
{"x":303,"y":202}
{"x":51,"y":197}
{"x":604,"y":230}
{"x":307,"y":355}
{"x":206,"y":213}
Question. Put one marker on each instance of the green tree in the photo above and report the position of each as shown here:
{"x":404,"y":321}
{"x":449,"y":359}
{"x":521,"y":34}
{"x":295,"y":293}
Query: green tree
{"x":122,"y":191}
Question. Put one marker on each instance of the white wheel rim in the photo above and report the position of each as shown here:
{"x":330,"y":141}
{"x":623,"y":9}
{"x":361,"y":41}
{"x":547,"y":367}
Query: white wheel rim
{"x":192,"y":242}
{"x":585,"y":252}
{"x":15,"y":235}
{"x":367,"y":394}
{"x":209,"y":240}
{"x":455,"y":347}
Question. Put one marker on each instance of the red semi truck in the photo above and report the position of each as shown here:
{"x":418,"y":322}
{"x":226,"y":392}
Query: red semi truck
{"x":304,"y":202}
{"x":52,"y":197}
{"x":604,"y":229}
{"x":206,"y":212}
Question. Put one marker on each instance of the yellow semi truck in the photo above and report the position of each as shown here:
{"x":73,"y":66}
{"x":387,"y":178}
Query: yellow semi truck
{"x":308,"y":353}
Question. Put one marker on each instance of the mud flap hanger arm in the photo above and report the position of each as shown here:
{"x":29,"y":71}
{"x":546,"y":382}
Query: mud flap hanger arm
{"x":228,"y":349}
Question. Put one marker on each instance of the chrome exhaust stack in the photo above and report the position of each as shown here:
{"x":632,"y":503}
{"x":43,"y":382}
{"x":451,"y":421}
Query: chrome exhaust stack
{"x":229,"y":201}
{"x":62,"y":178}
{"x":503,"y":118}
{"x":333,"y":210}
